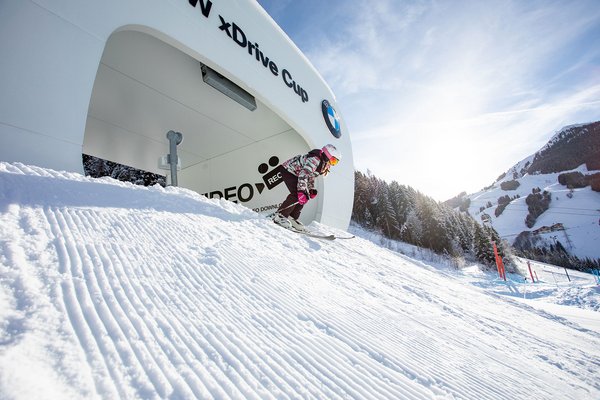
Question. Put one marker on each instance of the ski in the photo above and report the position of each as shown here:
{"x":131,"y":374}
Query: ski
{"x":314,"y":235}
{"x":345,"y":237}
{"x":318,"y":235}
{"x":327,"y":237}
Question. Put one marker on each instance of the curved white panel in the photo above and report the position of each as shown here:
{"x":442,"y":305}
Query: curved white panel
{"x":112,"y":78}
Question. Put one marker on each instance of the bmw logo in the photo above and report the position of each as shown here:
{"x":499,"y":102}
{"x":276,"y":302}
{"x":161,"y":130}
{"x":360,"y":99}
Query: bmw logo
{"x":331,"y":118}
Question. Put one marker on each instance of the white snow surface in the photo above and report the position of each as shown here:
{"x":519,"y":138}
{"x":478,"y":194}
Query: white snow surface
{"x":109,"y":290}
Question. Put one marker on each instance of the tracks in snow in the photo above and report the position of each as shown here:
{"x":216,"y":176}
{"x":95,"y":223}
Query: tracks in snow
{"x":155,"y":319}
{"x":182,"y":315}
{"x":158,"y":304}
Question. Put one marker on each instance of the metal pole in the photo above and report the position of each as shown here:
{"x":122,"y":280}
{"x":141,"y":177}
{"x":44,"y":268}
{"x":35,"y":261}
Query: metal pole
{"x":175,"y":138}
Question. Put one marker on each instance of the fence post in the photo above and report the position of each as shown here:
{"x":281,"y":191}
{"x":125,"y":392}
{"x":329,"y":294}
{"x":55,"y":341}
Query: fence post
{"x":530,"y":273}
{"x":499,"y":263}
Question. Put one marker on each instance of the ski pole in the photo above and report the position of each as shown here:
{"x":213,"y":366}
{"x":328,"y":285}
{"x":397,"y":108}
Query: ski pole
{"x":291,"y":205}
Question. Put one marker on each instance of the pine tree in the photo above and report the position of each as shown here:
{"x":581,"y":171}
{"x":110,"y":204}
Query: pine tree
{"x":412,"y":230}
{"x":385,"y":213}
{"x":484,"y":250}
{"x":359,"y":210}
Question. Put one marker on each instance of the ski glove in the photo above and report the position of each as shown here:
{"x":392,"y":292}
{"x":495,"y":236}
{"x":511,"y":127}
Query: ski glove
{"x":302,"y":198}
{"x":313,"y":193}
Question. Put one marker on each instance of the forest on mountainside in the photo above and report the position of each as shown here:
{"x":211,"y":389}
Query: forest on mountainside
{"x":532,"y":246}
{"x":572,"y":147}
{"x":399,"y":212}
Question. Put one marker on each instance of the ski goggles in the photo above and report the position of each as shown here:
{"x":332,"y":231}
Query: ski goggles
{"x":333,"y":161}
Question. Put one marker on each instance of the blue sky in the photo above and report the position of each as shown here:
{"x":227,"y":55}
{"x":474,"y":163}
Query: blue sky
{"x":445,"y":95}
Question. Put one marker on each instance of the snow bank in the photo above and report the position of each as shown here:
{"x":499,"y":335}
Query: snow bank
{"x":113,"y":291}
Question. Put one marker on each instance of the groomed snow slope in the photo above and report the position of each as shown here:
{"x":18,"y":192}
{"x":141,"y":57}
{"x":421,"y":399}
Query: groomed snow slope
{"x":113,"y":291}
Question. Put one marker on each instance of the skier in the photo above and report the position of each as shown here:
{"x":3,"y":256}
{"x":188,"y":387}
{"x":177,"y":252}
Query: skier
{"x":299,"y":175}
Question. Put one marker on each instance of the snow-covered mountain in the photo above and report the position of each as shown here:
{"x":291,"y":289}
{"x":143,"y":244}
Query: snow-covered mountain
{"x":562,"y":181}
{"x":115,"y":291}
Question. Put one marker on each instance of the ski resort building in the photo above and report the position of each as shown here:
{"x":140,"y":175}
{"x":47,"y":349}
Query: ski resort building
{"x":112,"y":78}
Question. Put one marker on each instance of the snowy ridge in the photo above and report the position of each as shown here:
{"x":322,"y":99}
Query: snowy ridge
{"x":519,"y":170}
{"x":108,"y":290}
{"x":561,"y":133}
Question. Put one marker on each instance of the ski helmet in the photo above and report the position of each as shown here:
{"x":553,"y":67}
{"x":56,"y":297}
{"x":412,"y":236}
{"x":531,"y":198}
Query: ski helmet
{"x":331,"y":152}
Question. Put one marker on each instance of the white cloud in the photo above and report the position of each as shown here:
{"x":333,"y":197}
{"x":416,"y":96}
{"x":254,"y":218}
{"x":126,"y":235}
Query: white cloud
{"x":463,"y":90}
{"x":445,"y":96}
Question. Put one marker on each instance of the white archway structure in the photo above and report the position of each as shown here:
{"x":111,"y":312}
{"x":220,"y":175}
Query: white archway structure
{"x":111,"y":78}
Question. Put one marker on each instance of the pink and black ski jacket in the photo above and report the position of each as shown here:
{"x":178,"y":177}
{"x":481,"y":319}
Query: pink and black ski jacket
{"x":307,"y":167}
